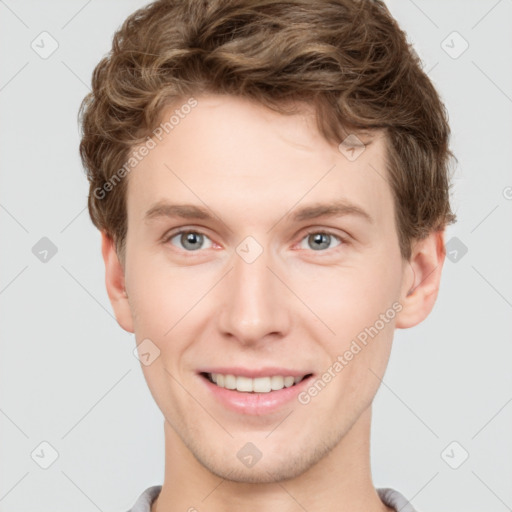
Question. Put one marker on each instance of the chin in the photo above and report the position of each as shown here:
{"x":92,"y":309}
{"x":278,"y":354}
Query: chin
{"x":262,"y":475}
{"x":271,"y":468}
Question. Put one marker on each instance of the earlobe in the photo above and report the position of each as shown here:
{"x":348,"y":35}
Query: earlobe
{"x":421,"y":280}
{"x":115,"y":283}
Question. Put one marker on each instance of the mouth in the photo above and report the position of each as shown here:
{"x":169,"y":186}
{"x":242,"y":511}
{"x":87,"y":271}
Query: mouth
{"x":254,"y":392}
{"x":243,"y":384}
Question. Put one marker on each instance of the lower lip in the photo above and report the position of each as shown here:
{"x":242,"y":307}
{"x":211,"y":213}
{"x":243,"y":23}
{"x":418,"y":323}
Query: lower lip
{"x":255,"y":404}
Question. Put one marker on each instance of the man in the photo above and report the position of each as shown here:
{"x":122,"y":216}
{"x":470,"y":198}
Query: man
{"x":271,"y":184}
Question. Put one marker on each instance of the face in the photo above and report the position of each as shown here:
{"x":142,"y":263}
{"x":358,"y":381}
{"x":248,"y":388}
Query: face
{"x":256,"y":255}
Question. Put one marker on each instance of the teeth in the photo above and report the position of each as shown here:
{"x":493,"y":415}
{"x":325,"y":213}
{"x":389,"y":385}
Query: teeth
{"x":262,"y":385}
{"x":277,"y":383}
{"x":243,"y":384}
{"x":288,"y":381}
{"x":258,"y":385}
{"x":229,"y":381}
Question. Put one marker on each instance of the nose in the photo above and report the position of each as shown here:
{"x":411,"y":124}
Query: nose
{"x":255,"y":304}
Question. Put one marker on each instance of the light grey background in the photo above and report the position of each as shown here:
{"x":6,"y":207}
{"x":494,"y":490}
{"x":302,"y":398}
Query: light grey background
{"x":68,"y":375}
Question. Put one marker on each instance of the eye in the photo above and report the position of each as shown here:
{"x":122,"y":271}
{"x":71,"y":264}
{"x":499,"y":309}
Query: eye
{"x":190,"y":240}
{"x":319,"y":240}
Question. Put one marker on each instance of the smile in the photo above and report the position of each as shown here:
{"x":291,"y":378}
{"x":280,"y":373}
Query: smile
{"x":256,"y":385}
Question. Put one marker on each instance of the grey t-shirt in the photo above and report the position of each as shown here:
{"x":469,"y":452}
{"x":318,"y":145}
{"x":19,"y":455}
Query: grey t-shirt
{"x":389,"y":497}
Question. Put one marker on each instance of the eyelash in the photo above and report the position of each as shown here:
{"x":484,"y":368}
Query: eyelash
{"x":343,"y":241}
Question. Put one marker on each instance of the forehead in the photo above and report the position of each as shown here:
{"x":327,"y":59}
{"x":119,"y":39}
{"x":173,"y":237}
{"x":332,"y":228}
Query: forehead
{"x":231,"y":155}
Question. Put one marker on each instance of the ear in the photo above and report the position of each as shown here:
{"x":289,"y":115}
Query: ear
{"x":421,"y":280}
{"x":115,"y":283}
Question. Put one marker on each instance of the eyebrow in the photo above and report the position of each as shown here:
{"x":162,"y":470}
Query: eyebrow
{"x":332,"y":209}
{"x":191,"y":211}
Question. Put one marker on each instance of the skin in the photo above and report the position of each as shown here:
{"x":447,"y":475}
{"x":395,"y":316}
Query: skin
{"x":295,"y":306}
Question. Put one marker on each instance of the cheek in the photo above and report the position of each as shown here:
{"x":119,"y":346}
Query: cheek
{"x":347,"y":298}
{"x":161,"y":295}
{"x":356,"y":367}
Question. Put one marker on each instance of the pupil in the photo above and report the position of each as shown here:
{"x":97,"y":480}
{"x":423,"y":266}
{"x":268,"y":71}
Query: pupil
{"x":321,"y":238}
{"x":192,"y":238}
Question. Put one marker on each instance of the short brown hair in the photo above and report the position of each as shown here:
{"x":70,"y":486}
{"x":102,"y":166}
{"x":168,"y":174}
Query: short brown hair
{"x":347,"y":58}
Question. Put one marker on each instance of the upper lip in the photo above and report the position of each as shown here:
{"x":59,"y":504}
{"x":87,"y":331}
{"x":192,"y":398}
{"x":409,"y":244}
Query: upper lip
{"x":253,"y":373}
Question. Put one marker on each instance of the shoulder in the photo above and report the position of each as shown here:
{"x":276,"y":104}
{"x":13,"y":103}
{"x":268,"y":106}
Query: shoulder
{"x":144,"y":501}
{"x":395,"y":500}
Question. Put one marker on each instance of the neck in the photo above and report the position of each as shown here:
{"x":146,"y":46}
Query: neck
{"x":340,"y":482}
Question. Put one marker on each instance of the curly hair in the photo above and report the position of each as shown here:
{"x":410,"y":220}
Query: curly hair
{"x":349,"y":59}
